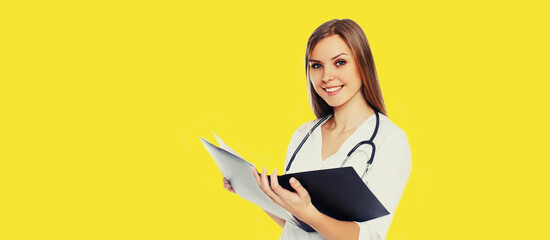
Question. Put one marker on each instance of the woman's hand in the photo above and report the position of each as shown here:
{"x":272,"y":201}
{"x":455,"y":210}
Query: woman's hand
{"x":297,"y":203}
{"x":227,"y":186}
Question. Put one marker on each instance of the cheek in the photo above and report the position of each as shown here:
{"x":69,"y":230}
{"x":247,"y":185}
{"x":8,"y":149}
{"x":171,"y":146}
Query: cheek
{"x":353,"y":77}
{"x":315,"y":76}
{"x":316,"y":80}
{"x":356,"y":76}
{"x":316,"y":85}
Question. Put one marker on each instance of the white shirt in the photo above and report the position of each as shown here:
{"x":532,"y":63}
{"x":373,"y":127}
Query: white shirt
{"x":386,"y":177}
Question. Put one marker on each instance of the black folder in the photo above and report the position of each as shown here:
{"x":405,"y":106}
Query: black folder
{"x":338,"y":193}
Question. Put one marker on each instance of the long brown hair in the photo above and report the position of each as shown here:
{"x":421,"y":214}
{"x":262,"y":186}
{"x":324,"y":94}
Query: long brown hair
{"x":355,"y":38}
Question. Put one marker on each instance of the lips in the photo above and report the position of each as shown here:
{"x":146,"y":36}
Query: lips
{"x":333,"y":90}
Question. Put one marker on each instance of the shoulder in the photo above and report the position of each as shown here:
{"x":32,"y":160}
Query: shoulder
{"x":389,"y":132}
{"x":392,"y":144}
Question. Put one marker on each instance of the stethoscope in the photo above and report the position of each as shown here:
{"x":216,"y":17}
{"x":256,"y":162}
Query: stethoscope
{"x":350,"y":153}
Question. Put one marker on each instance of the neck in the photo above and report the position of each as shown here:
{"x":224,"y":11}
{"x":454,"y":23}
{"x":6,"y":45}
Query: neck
{"x":348,"y":116}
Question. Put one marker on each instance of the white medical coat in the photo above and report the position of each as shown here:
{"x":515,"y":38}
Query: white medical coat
{"x":386,"y":177}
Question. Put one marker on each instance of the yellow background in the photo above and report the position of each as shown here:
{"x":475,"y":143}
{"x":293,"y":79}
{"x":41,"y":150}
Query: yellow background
{"x":102,"y":104}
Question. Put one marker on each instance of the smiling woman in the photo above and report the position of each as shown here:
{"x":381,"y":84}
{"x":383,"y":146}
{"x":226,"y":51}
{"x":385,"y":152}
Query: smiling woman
{"x":345,"y":96}
{"x":333,"y":72}
{"x":341,"y":38}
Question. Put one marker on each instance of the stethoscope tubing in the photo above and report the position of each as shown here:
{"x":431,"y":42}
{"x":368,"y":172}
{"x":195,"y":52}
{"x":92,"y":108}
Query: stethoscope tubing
{"x":369,"y":142}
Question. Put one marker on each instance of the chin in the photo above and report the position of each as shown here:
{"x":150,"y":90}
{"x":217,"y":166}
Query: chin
{"x":334,"y":104}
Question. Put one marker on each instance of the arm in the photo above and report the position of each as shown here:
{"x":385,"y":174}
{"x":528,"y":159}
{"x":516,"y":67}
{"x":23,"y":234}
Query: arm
{"x":331,"y":228}
{"x":387,"y":180}
{"x":281,"y":222}
{"x":299,"y":204}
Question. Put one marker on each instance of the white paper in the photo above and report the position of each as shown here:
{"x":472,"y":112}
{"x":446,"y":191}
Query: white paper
{"x":227,"y":148}
{"x":239,"y":173}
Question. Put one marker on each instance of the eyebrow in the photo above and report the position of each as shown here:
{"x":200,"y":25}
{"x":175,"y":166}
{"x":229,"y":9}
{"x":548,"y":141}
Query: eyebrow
{"x":313,"y":60}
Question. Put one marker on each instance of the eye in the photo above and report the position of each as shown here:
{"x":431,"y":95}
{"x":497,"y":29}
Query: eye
{"x":340,"y":62}
{"x":316,"y":66}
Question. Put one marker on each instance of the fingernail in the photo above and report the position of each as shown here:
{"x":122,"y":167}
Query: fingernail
{"x":265,"y":170}
{"x":292,"y":180}
{"x":275,"y":171}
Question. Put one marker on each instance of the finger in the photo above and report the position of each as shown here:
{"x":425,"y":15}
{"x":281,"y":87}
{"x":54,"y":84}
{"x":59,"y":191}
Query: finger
{"x":228,"y":186}
{"x":267,"y":189}
{"x":300,"y":190}
{"x":225,"y":181}
{"x":282,"y":194}
{"x":264,"y":182}
{"x":275,"y":183}
{"x":256,"y":176}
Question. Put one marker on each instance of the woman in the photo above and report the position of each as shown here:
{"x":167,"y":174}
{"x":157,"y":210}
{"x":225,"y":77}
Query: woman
{"x":345,"y":96}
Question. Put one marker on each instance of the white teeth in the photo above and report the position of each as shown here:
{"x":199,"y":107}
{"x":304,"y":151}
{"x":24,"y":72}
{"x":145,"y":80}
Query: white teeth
{"x":334,"y":89}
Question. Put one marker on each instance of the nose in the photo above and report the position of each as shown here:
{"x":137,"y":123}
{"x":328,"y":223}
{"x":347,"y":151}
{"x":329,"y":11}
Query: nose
{"x":328,"y":74}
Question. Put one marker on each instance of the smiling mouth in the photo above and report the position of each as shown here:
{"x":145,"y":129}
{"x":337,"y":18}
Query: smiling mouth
{"x":333,"y":89}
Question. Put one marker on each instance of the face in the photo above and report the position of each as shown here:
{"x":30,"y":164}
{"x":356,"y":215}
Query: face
{"x":333,"y":71}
